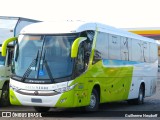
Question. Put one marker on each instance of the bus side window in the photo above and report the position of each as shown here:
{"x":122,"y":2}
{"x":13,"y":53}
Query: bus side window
{"x":136,"y":50}
{"x":87,"y":53}
{"x":153,"y":52}
{"x":145,"y":52}
{"x":101,"y":49}
{"x":126,"y":48}
{"x":87,"y":46}
{"x":10,"y":57}
{"x":80,"y":61}
{"x":2,"y":60}
{"x":114,"y":47}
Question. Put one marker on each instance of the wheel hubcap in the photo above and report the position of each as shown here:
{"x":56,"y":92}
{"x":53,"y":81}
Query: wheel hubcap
{"x":5,"y":96}
{"x":141,"y":96}
{"x":5,"y":93}
{"x":92,"y":101}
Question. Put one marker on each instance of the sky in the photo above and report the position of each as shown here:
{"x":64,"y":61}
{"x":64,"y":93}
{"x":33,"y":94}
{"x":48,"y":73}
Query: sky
{"x":117,"y":13}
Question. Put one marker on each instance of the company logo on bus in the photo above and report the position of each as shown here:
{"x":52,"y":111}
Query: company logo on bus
{"x":33,"y":81}
{"x":36,"y":93}
{"x":36,"y":87}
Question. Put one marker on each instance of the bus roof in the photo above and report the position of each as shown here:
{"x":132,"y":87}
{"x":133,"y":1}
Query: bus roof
{"x":75,"y":27}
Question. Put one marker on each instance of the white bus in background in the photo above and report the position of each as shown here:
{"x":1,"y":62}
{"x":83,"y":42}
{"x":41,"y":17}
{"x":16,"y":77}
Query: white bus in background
{"x":9,"y":27}
{"x":75,"y":64}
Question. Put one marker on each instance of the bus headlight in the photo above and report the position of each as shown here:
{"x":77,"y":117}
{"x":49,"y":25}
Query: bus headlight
{"x":65,"y":89}
{"x":15,"y":88}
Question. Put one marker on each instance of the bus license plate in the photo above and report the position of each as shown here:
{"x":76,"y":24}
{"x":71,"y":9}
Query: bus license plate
{"x":36,"y":100}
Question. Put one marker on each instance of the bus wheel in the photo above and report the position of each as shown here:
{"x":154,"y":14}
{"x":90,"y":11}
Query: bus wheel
{"x":42,"y":109}
{"x":4,"y":101}
{"x":94,"y":101}
{"x":140,"y":99}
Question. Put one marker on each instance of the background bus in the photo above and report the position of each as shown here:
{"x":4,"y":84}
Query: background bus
{"x":9,"y":27}
{"x":75,"y":64}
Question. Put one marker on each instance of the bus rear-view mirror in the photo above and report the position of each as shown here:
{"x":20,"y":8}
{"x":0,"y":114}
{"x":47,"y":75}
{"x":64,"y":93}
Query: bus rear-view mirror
{"x":75,"y":46}
{"x":5,"y":44}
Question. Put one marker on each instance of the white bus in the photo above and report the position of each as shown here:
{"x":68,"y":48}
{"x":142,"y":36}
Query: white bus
{"x":75,"y":64}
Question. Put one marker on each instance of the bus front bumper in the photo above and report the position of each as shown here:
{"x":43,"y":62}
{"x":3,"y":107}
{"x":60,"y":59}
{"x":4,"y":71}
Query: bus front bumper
{"x":58,"y":100}
{"x":63,"y":100}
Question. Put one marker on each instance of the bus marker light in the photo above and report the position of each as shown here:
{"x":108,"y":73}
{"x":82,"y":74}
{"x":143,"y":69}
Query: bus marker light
{"x":63,"y":100}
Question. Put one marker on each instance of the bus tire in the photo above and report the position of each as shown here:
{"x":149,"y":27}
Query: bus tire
{"x":140,"y":99}
{"x":4,"y":100}
{"x":94,"y":101}
{"x":42,"y":109}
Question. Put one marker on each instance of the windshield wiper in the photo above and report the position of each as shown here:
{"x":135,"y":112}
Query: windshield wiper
{"x":33,"y":64}
{"x":44,"y":62}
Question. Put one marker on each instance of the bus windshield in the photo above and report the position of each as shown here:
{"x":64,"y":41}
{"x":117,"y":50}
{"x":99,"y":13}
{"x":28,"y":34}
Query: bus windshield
{"x":44,"y":57}
{"x":2,"y":59}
